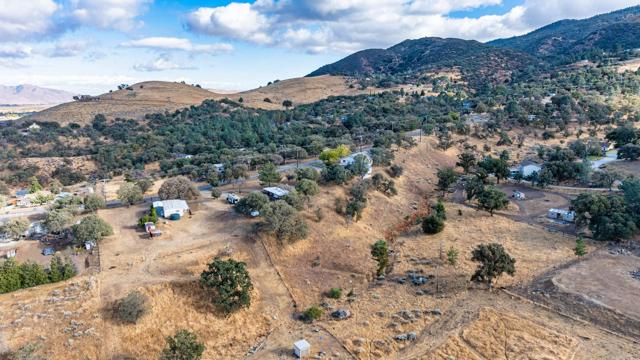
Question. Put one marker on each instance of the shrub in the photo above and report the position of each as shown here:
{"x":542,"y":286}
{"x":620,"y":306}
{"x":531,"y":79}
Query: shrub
{"x":131,"y":308}
{"x":494,"y":261}
{"x":93,"y":202}
{"x":432,"y":224}
{"x":152,"y":216}
{"x":580,"y":249}
{"x":307,"y":173}
{"x":230,"y":284}
{"x":395,"y":170}
{"x":183,"y":345}
{"x":334,"y":293}
{"x":452,"y":256}
{"x":312,"y":314}
{"x":215,"y":193}
{"x":380,"y":253}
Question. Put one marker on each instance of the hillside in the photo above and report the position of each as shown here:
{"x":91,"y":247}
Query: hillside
{"x":617,"y":30}
{"x":32,"y":95}
{"x":157,"y":96}
{"x":145,"y":98}
{"x":475,"y":60}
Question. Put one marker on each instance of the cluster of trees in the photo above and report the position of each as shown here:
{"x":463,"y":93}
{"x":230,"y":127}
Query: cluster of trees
{"x":612,"y":217}
{"x":14,"y":276}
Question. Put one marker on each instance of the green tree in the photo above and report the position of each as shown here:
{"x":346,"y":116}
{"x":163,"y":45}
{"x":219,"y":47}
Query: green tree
{"x":255,"y":201}
{"x":129,"y":193}
{"x":35,"y":185}
{"x":145,"y":184}
{"x":91,"y":229}
{"x":308,"y":188}
{"x":93,"y":202}
{"x":446,"y":178}
{"x":284,"y":221}
{"x":360,"y":165}
{"x":15,"y":227}
{"x":184,"y":345}
{"x":629,"y":152}
{"x":178,"y":187}
{"x":332,"y":156}
{"x":269,"y":175}
{"x":380,"y":253}
{"x":441,"y":212}
{"x":466,"y":161}
{"x":494,"y":261}
{"x":492,"y":199}
{"x":608,"y":217}
{"x":473,"y":187}
{"x":229,"y":283}
{"x":580,"y":249}
{"x":32,"y":274}
{"x":57,"y":220}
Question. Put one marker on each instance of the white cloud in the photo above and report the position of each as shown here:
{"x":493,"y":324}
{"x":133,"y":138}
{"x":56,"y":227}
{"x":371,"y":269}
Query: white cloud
{"x":236,"y":20}
{"x":68,"y":48}
{"x":25,"y":19}
{"x":162,"y":63}
{"x":109,"y":14}
{"x":172,"y":43}
{"x":15,"y":51}
{"x":348,"y":25}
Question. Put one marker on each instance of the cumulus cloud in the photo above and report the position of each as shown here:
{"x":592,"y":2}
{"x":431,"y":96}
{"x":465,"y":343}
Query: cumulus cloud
{"x":348,"y":25}
{"x":25,"y":19}
{"x":109,"y":14}
{"x":162,"y":63}
{"x":180,"y":44}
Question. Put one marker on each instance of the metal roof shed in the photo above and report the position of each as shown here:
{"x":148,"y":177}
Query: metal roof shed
{"x":301,"y":348}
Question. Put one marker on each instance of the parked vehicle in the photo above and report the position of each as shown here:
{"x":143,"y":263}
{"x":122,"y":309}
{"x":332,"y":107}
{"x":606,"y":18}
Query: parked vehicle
{"x":48,"y":251}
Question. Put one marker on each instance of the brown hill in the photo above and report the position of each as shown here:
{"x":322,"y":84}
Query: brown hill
{"x":146,"y":97}
{"x":157,"y":96}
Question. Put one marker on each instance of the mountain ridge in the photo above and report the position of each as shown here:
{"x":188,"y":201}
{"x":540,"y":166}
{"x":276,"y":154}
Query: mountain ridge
{"x":26,"y":94}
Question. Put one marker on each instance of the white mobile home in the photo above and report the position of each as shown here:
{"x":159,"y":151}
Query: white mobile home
{"x":275,"y":193}
{"x":171,"y":209}
{"x":561,"y":214}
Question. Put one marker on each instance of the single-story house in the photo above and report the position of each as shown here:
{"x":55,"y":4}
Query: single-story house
{"x":561,"y":214}
{"x":183,"y":156}
{"x":301,"y":348}
{"x":171,"y":208}
{"x":349,"y":160}
{"x":275,"y":193}
{"x":526,"y":169}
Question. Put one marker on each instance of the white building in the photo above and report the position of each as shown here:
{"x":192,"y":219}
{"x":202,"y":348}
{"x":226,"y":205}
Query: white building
{"x":275,"y":193}
{"x":561,"y":214}
{"x":301,"y":348}
{"x":167,"y":208}
{"x":34,"y":127}
{"x":526,"y":169}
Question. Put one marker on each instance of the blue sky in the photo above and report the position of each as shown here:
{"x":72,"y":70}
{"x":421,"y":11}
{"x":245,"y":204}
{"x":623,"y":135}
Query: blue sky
{"x":90,"y":46}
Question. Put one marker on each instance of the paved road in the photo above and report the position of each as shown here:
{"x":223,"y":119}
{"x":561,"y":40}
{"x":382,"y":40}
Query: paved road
{"x":22,"y":212}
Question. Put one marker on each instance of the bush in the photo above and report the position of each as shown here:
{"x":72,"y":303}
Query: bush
{"x":312,"y":314}
{"x":307,"y":173}
{"x":131,"y":308}
{"x":215,"y":193}
{"x":395,"y":170}
{"x":230,"y":284}
{"x":336,"y":174}
{"x":432,"y":224}
{"x":252,"y":202}
{"x":130,"y":193}
{"x":152,"y":216}
{"x":178,"y":188}
{"x":334,"y":293}
{"x":93,"y":202}
{"x":183,"y":345}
